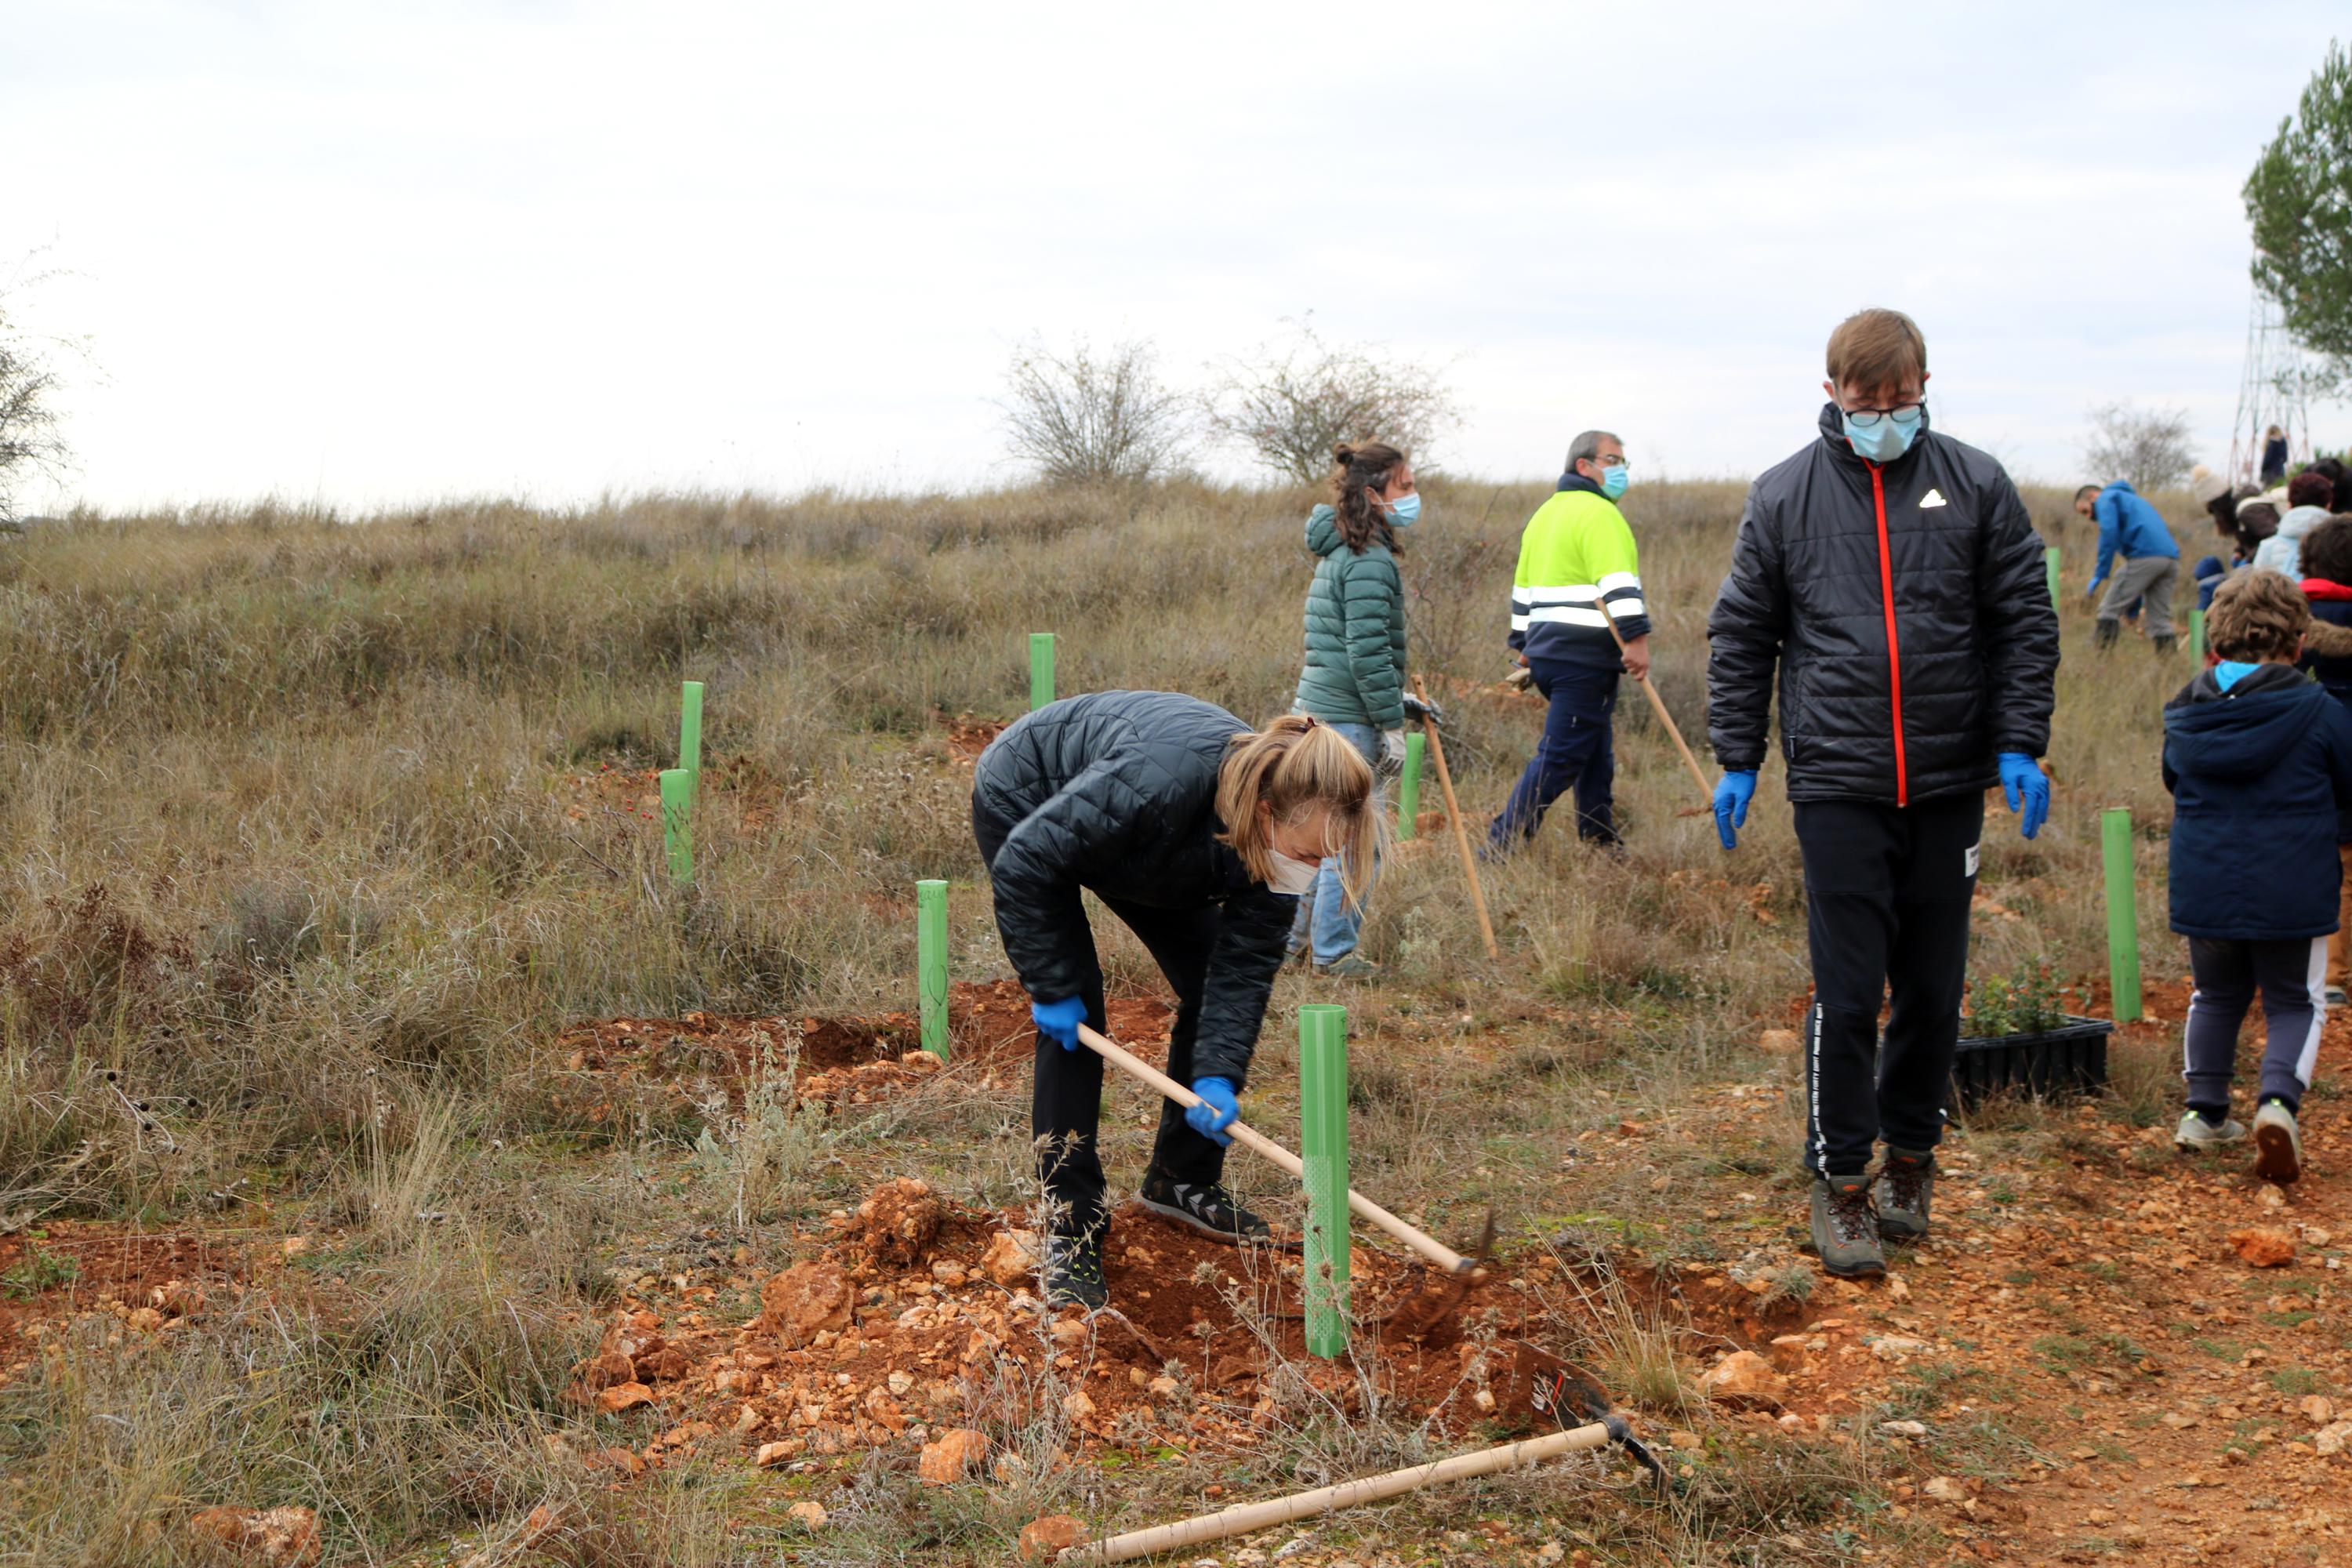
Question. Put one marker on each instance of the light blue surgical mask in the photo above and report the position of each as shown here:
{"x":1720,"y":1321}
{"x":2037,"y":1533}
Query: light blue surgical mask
{"x":1614,"y":479}
{"x":1884,"y":439}
{"x":1404,"y":510}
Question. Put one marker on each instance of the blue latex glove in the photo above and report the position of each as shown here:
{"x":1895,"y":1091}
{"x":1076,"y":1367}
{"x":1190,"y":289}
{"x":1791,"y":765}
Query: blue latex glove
{"x":2023,"y":781}
{"x":1059,"y":1021}
{"x":1220,"y":1106}
{"x":1732,"y":793}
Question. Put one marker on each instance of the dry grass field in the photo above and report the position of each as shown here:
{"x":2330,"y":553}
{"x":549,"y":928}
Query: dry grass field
{"x":326,"y":1165}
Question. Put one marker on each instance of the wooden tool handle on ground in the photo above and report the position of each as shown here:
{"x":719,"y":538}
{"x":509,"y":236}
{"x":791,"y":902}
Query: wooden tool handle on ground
{"x":1659,"y":704}
{"x":1250,"y":1138}
{"x":1461,"y":833}
{"x":1250,"y":1517}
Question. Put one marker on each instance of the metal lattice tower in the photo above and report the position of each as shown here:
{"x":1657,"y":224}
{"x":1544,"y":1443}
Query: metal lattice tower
{"x":2271,"y":391}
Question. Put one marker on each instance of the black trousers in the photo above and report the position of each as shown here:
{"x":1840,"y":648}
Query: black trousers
{"x":1065,"y":1099}
{"x":2292,"y":977}
{"x":1887,"y":910}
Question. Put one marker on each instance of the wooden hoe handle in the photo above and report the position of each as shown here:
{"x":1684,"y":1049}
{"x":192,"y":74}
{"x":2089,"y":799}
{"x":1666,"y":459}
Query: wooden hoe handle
{"x":1250,"y":1138}
{"x":1460,"y":835}
{"x":1659,"y":704}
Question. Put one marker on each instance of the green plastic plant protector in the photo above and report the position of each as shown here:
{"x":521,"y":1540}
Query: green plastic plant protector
{"x":677,"y":822}
{"x":931,"y":963}
{"x":1323,"y":1150}
{"x":1409,"y":783}
{"x":1041,"y":668}
{"x":2122,"y":913}
{"x":690,"y":736}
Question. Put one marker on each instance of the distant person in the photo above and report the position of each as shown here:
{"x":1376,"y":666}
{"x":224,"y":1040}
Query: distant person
{"x":2327,"y":589}
{"x":1891,"y":577}
{"x":2259,"y":761}
{"x":2132,"y":528}
{"x":1199,"y":835}
{"x":1579,"y":574}
{"x":1354,"y":674}
{"x":2308,"y":497}
{"x":2274,"y":457}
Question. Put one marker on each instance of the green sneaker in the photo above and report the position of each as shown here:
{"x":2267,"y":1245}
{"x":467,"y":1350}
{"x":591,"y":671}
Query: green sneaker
{"x":1904,"y":1185}
{"x":2278,"y":1146}
{"x":2198,"y":1136}
{"x":1845,"y":1230}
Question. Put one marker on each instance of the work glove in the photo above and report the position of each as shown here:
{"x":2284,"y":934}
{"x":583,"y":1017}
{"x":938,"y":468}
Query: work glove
{"x":2028,"y":788}
{"x":1219,"y":1109}
{"x":1059,"y":1021}
{"x":1392,"y":750}
{"x":1732,"y":793}
{"x":1521,"y":678}
{"x":1423,"y":712}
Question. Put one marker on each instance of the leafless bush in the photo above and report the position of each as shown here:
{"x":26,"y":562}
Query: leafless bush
{"x":2148,"y":448}
{"x":1088,"y":418}
{"x":1292,"y":401}
{"x":29,"y":441}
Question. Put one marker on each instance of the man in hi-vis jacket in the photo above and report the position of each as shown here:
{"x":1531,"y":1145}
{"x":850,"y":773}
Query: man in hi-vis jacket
{"x":1578,"y":574}
{"x":1891,"y":576}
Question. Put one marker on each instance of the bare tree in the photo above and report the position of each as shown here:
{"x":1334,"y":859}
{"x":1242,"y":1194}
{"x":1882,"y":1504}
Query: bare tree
{"x":2149,"y":449}
{"x":1293,"y":400}
{"x":30,"y":442}
{"x":1084,"y":418}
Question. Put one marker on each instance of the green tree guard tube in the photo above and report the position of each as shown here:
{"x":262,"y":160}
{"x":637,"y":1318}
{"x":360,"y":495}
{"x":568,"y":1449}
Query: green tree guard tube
{"x":931,"y":963}
{"x":1323,"y":1145}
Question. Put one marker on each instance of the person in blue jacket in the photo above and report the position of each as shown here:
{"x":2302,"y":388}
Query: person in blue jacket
{"x":2258,"y":757}
{"x":2134,"y":529}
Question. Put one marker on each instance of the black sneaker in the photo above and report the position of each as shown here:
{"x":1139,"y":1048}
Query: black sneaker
{"x":1074,"y":1272}
{"x":1902,"y":1193}
{"x":1209,"y":1209}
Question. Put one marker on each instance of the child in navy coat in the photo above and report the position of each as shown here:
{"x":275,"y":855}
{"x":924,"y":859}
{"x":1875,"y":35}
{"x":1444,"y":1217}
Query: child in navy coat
{"x":2259,"y":761}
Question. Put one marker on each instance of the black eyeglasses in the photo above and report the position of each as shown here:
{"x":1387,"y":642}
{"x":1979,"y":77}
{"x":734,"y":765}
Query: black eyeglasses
{"x":1864,"y":418}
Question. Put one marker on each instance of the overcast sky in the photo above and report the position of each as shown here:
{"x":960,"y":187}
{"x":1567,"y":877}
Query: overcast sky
{"x":381,"y":253}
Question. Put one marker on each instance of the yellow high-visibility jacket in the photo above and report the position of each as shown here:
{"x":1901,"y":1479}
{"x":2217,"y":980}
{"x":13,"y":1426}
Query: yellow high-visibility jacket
{"x":1577,"y":564}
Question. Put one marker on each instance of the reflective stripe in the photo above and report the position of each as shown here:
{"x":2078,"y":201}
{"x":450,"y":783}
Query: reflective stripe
{"x":1620,"y":580}
{"x":1565,"y":616}
{"x":1518,"y":623}
{"x":1625,"y":609}
{"x":1582,"y":593}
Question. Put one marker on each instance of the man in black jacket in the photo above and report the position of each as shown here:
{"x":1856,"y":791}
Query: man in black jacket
{"x":1891,"y":574}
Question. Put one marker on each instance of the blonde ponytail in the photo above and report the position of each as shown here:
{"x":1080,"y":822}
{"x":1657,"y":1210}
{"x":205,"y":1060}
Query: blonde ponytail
{"x":1300,"y":770}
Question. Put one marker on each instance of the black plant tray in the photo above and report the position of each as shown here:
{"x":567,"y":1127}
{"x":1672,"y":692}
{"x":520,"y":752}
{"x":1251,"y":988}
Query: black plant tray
{"x":2064,"y":1063}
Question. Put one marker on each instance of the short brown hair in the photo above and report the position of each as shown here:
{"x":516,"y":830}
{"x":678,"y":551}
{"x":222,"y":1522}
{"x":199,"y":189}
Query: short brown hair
{"x":1877,"y":350}
{"x":2307,"y":489}
{"x":2257,"y":614}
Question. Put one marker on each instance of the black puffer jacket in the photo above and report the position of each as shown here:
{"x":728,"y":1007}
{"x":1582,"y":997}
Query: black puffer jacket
{"x":1116,"y":791}
{"x":1908,"y":612}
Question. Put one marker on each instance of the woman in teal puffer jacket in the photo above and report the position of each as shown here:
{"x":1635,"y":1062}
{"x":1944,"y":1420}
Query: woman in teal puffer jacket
{"x":1354,"y":674}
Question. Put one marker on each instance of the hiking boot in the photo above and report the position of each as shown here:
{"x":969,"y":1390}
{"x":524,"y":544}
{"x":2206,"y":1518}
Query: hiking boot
{"x":1074,"y":1271}
{"x":2199,"y":1136}
{"x":1352,"y":967}
{"x":1906,"y":1183}
{"x":2278,"y":1146}
{"x":1207,"y":1208}
{"x":1845,"y":1231}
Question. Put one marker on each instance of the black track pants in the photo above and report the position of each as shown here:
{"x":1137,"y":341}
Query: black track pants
{"x":1886,"y":908}
{"x":1065,"y":1101}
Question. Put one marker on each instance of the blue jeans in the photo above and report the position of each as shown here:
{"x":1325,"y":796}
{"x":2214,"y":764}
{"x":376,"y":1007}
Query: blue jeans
{"x":1575,"y":751}
{"x":1325,"y":918}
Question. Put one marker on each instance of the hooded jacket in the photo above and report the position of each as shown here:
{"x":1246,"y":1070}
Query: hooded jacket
{"x":1906,"y":609}
{"x":2259,"y":773}
{"x":2128,"y":527}
{"x":1115,"y":792}
{"x":1578,"y":572}
{"x":2283,"y":551}
{"x":1354,"y":672}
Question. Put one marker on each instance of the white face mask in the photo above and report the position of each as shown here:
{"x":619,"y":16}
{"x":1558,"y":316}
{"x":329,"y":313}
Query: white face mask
{"x":1290,"y":877}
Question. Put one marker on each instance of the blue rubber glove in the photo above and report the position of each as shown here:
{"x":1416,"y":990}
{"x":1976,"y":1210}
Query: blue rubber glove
{"x":1059,"y":1021}
{"x":2023,"y":781}
{"x":1220,"y":1106}
{"x":1732,"y":793}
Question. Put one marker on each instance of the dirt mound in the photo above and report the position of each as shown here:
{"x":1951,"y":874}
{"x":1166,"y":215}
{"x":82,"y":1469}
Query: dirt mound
{"x":851,"y":1061}
{"x":967,"y":736}
{"x":892,"y":1335}
{"x":152,"y":1283}
{"x":751,"y":794}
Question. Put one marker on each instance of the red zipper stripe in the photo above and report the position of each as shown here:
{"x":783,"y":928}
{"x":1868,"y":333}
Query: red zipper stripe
{"x":1893,"y":647}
